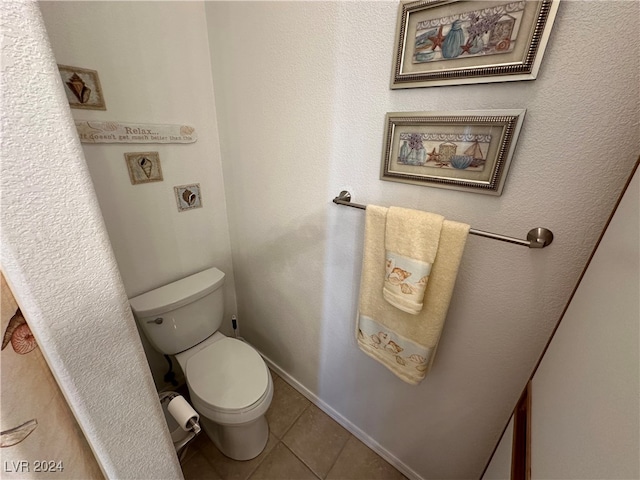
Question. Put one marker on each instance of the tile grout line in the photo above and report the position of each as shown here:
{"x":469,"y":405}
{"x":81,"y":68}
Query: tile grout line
{"x":294,"y":421}
{"x":280,"y":441}
{"x":320,"y":477}
{"x":287,"y":431}
{"x":248,"y":477}
{"x":356,"y":432}
{"x":209,"y":461}
{"x":250,"y":473}
{"x":309,"y":466}
{"x":303,"y":462}
{"x":338,"y":456}
{"x":212,"y":463}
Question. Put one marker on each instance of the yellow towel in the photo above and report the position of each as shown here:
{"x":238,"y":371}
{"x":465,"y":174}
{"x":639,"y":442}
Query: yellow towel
{"x":403,"y":342}
{"x":411,"y":242}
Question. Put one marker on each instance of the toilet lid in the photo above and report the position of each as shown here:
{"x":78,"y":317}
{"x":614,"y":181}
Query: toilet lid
{"x":228,"y":374}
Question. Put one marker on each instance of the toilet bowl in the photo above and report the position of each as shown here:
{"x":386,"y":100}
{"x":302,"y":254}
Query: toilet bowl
{"x":229,"y":384}
{"x":231,"y":388}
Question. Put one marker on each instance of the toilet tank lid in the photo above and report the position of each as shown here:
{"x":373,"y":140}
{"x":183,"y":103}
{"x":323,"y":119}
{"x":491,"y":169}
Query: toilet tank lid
{"x":177,"y":294}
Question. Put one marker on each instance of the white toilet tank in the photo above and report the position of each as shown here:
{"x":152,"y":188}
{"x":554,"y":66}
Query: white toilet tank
{"x":179,"y":315}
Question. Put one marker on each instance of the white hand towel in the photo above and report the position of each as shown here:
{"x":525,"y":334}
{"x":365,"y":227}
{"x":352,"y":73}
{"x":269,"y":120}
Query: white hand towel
{"x":402,"y":342}
{"x":411,"y":242}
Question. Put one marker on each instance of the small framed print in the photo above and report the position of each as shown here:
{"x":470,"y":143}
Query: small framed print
{"x":456,"y":42}
{"x":460,"y":150}
{"x":82,"y":87}
{"x":144,"y":167}
{"x":188,"y":197}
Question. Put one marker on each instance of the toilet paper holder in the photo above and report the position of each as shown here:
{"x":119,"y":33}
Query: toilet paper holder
{"x":193,"y":426}
{"x":185,"y":416}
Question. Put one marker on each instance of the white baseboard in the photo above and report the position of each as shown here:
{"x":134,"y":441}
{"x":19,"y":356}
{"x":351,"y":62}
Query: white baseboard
{"x":350,"y":427}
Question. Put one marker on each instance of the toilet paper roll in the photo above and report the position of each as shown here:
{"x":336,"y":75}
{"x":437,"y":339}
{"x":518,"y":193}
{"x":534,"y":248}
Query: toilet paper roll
{"x":180,"y":409}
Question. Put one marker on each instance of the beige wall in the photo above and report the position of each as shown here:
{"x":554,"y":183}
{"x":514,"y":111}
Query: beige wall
{"x":586,"y":392}
{"x":153,"y":63}
{"x":301,"y":90}
{"x":301,"y":93}
{"x":500,"y":466}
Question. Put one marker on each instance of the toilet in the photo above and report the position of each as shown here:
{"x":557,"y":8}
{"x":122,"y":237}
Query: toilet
{"x":229,"y":384}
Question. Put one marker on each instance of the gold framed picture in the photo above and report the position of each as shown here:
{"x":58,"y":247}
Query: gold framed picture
{"x":460,"y":150}
{"x":455,"y":42}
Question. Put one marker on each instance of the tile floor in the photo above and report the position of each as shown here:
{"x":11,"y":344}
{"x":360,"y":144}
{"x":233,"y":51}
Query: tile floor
{"x":304,"y":443}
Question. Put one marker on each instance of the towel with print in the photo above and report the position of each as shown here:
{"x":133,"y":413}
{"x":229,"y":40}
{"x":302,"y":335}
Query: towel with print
{"x":405,"y":343}
{"x":411,"y":242}
{"x":405,"y":282}
{"x":407,"y":359}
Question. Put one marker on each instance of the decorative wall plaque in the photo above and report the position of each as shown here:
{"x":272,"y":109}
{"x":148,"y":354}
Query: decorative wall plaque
{"x":188,"y":196}
{"x":144,"y":167}
{"x":462,"y":150}
{"x":82,"y":87}
{"x":116,"y":132}
{"x":458,"y":42}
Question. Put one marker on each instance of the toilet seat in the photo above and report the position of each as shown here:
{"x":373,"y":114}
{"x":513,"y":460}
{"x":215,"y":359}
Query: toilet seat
{"x":229,"y":378}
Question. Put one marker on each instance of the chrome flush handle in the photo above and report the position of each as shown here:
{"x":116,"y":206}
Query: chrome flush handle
{"x":157,"y":321}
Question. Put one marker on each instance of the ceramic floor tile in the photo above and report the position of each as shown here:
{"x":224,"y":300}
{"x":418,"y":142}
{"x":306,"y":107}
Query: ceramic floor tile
{"x":281,"y":464}
{"x":229,"y":469}
{"x":359,"y":462}
{"x":311,"y":441}
{"x":197,"y":467}
{"x":286,"y":407}
{"x":195,"y":444}
{"x":317,"y":440}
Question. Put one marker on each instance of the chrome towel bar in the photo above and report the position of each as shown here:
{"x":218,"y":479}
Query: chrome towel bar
{"x":536,"y":238}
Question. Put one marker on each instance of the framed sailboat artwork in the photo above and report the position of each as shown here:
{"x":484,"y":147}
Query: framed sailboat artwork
{"x":460,"y":150}
{"x":457,"y":42}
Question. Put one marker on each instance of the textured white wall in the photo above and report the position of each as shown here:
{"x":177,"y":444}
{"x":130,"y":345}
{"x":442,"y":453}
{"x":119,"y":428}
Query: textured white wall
{"x":301,"y":92}
{"x":586,"y":393}
{"x":58,"y":261}
{"x":153,"y":61}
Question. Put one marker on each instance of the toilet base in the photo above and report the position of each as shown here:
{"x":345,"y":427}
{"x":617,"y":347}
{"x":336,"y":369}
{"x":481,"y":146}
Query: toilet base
{"x":240,"y":442}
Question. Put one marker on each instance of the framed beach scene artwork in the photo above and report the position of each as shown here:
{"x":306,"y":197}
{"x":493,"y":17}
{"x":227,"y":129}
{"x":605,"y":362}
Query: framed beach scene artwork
{"x":461,"y":150}
{"x":445,"y":42}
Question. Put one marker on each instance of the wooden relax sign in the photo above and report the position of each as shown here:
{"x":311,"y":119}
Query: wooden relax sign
{"x":116,"y":132}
